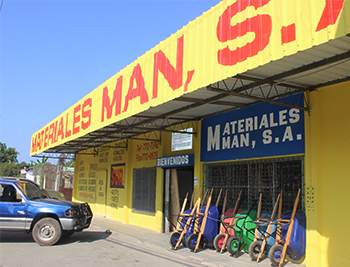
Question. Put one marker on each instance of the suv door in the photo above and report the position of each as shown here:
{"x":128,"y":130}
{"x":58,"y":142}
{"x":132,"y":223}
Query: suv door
{"x":13,"y":209}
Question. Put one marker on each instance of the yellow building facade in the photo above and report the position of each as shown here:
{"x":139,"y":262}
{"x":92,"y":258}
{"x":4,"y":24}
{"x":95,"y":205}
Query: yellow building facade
{"x":96,"y":172}
{"x":326,"y":175}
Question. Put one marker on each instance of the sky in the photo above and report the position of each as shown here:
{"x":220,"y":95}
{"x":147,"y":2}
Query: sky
{"x":54,"y":52}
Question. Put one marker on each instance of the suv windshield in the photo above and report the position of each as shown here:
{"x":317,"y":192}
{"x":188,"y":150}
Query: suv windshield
{"x":30,"y":190}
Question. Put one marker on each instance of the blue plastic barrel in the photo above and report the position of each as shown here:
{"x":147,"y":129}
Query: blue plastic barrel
{"x":211,"y":226}
{"x":190,"y":227}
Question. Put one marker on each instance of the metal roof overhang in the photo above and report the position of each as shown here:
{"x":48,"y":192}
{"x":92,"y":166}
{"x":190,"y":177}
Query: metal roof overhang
{"x":304,"y":71}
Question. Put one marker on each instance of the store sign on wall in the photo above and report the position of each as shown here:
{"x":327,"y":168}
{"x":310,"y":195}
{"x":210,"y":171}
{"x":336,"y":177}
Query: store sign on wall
{"x":176,"y":161}
{"x":147,"y":151}
{"x":181,"y":141}
{"x":117,"y":176}
{"x":87,"y":181}
{"x":262,"y":130}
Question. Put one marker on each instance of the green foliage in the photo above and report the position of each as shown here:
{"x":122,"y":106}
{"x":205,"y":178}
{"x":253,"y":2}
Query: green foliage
{"x":9,"y":165}
{"x":23,"y":165}
{"x":38,"y":162}
{"x":8,"y":154}
{"x":10,"y":169}
{"x":70,"y":163}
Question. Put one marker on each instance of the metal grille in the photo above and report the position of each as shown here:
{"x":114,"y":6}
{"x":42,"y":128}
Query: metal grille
{"x":268,"y":177}
{"x":144,"y":190}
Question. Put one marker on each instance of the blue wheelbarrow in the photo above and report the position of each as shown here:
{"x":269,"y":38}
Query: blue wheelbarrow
{"x":209,"y":228}
{"x":291,"y":236}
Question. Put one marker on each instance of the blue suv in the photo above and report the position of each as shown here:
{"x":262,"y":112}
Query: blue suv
{"x":23,"y":207}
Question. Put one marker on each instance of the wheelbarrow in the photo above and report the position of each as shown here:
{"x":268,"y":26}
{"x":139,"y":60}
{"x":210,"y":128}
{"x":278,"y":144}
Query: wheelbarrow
{"x":210,"y":228}
{"x":205,"y":226}
{"x":244,"y":231}
{"x":185,"y":220}
{"x":227,"y":224}
{"x":264,"y":232}
{"x":291,"y":236}
{"x":188,"y":221}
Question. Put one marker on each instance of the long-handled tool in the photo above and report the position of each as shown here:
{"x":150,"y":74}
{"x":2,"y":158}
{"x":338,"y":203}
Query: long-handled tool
{"x":223,"y":211}
{"x":204,"y":221}
{"x":278,"y":252}
{"x":268,"y":230}
{"x":181,"y":212}
{"x":188,"y":222}
{"x":219,"y":238}
{"x":257,"y":248}
{"x":230,"y":226}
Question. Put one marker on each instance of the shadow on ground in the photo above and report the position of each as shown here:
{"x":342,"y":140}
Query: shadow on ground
{"x":82,"y":237}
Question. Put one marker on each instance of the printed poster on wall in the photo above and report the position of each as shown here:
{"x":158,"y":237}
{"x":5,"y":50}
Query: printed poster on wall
{"x":181,"y":141}
{"x":262,"y":130}
{"x":117,"y":176}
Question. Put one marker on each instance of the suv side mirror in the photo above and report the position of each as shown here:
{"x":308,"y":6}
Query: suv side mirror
{"x":45,"y":194}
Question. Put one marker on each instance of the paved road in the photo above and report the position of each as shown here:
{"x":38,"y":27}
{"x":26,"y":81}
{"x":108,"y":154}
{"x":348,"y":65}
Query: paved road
{"x":93,"y":247}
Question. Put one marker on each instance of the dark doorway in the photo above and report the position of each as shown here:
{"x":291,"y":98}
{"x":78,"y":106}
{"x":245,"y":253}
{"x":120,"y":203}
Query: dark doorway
{"x":178,"y":183}
{"x":185,"y":181}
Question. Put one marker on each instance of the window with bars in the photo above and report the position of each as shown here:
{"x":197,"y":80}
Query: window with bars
{"x":144,"y":190}
{"x":268,"y":177}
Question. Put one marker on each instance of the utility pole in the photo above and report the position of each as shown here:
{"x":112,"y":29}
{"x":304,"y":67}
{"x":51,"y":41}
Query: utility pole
{"x":59,"y":171}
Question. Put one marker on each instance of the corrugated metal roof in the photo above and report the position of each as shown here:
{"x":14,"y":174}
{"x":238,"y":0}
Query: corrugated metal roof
{"x":326,"y":63}
{"x":203,"y":102}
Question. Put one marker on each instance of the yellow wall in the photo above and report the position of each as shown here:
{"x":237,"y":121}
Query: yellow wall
{"x":93,"y":175}
{"x":327,"y":172}
{"x":92,"y":180}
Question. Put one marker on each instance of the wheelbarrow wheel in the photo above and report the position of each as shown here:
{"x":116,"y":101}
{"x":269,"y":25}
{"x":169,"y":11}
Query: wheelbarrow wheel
{"x":254,"y":250}
{"x":275,"y":254}
{"x":233,"y":245}
{"x":219,"y":242}
{"x":174,"y":238}
{"x":184,"y":241}
{"x":192,"y":241}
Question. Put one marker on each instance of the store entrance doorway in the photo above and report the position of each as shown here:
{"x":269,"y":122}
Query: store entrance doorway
{"x":178,"y":182}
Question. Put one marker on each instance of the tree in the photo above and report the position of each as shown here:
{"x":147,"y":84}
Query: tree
{"x":9,"y":169}
{"x":8,"y":154}
{"x":39,"y":167}
{"x":39,"y":163}
{"x":23,"y":165}
{"x":8,"y":161}
{"x":70,"y":163}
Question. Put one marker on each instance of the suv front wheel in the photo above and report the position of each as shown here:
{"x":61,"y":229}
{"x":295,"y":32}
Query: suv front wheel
{"x":47,"y":231}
